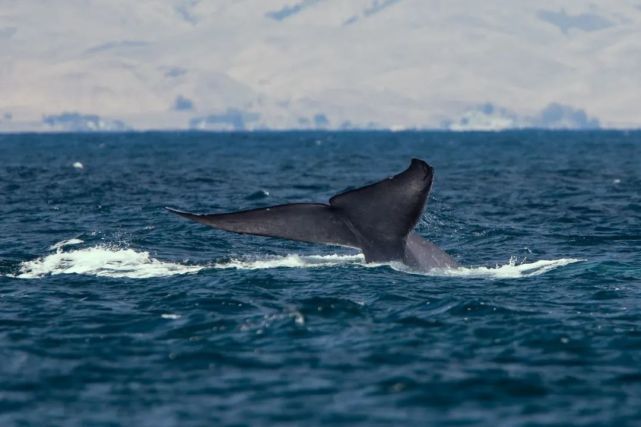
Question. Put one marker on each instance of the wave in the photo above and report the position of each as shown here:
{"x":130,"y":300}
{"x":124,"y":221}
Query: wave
{"x":109,"y":261}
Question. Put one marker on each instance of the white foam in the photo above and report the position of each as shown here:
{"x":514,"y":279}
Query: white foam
{"x":292,"y":261}
{"x":102,"y":261}
{"x":107,"y":261}
{"x":78,"y":165}
{"x":58,"y":246}
{"x":511,"y":270}
{"x":170,"y":316}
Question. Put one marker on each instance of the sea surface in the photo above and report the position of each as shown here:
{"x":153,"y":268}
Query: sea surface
{"x":115,"y":312}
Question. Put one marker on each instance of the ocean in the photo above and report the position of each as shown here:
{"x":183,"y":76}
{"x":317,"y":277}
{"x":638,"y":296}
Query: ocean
{"x":115,"y":312}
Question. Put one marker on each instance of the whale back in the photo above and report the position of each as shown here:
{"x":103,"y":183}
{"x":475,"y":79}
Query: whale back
{"x":423,"y":255}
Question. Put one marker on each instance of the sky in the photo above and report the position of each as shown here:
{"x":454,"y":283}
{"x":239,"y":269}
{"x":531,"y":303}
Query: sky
{"x":309,"y":64}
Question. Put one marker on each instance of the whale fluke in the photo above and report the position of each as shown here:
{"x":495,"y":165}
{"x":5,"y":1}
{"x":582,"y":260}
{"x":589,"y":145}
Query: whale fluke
{"x":306,"y":222}
{"x":376,"y":219}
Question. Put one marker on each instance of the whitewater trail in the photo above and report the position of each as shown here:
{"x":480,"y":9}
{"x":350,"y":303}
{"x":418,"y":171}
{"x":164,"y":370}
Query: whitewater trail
{"x":117,"y":262}
{"x":102,"y":261}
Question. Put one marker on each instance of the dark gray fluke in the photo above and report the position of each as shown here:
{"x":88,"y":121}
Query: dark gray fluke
{"x":377,"y":219}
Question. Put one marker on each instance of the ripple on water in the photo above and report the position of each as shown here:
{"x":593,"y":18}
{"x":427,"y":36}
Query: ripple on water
{"x":133,"y":316}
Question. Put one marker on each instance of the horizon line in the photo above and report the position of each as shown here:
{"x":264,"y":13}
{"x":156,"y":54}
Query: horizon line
{"x":318,"y":130}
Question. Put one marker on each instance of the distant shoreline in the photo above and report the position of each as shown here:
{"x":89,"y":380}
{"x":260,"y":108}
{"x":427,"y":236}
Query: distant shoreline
{"x":322,"y":131}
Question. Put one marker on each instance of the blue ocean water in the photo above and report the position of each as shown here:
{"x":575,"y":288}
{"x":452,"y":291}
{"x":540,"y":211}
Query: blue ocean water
{"x":115,"y":312}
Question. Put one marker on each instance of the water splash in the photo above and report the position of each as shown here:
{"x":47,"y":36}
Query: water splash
{"x":511,"y":270}
{"x":58,"y":246}
{"x":102,"y":261}
{"x":109,"y":261}
{"x":292,"y":261}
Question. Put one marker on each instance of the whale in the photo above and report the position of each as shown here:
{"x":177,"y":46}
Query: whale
{"x":377,"y":219}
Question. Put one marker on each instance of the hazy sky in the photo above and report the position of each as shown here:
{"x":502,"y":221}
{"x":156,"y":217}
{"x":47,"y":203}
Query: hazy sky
{"x":231,"y":64}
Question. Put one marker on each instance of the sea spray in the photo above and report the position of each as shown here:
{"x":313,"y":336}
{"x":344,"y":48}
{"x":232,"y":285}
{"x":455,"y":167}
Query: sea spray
{"x":110,"y":261}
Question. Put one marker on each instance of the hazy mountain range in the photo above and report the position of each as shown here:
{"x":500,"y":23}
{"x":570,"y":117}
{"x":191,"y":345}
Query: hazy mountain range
{"x":255,"y":64}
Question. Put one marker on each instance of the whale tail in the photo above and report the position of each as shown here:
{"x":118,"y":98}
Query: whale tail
{"x":376,"y":218}
{"x":306,"y":222}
